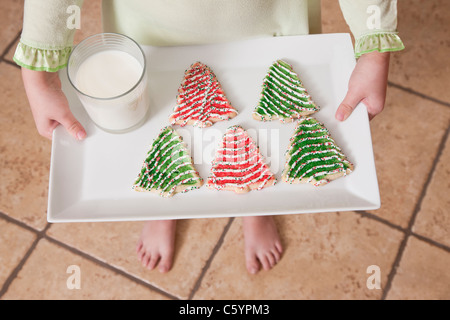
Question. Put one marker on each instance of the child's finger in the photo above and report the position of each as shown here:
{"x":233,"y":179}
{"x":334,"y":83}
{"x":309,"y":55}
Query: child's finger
{"x":45,"y":126}
{"x":52,"y":125}
{"x":73,"y":126}
{"x":347,"y":106}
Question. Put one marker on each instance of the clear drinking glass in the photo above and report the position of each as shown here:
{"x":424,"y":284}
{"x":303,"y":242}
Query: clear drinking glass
{"x":117,"y":111}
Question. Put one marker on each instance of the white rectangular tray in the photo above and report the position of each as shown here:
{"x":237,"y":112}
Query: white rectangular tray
{"x":92,"y":180}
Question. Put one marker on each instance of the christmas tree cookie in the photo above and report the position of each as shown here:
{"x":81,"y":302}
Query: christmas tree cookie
{"x":168,"y":168}
{"x":313,"y":156}
{"x":239,"y":166}
{"x":283,"y":96}
{"x":201,"y":100}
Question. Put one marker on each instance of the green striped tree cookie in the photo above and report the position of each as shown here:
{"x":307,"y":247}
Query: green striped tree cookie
{"x":168,"y":168}
{"x":313,"y":156}
{"x":283,"y":96}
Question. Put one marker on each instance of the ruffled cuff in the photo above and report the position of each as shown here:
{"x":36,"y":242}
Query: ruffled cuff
{"x":41,"y":59}
{"x":381,"y":42}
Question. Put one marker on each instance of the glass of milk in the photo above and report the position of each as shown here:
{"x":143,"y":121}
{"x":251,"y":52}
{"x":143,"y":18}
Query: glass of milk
{"x":108,"y":71}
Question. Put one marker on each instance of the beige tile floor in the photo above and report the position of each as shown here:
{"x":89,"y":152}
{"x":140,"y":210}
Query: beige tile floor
{"x":326,"y":254}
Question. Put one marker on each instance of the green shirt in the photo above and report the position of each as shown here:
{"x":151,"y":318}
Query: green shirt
{"x":49,"y":25}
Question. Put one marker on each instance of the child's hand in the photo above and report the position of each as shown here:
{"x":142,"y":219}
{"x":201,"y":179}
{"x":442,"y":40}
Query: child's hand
{"x":49,"y":104}
{"x":367,"y":84}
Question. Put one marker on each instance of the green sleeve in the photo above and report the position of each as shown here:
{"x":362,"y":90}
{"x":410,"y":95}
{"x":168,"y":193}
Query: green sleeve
{"x":47,"y":35}
{"x":373,"y":24}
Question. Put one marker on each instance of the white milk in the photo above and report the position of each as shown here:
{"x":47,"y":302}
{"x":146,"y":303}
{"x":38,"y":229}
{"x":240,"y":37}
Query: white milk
{"x":105,"y":76}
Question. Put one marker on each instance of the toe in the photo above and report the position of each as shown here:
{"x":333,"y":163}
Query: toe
{"x":279,"y":247}
{"x":252,"y":263}
{"x":165,"y":265}
{"x":153,"y":261}
{"x":166,"y":260}
{"x":264,"y":262}
{"x":140,"y":254}
{"x":276,"y":254}
{"x":145,"y":259}
{"x":139,"y":245}
{"x":271,"y":259}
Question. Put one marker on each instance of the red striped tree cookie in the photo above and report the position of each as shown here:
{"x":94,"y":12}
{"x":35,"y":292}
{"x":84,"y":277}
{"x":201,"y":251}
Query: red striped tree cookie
{"x":201,"y":100}
{"x":239,"y":166}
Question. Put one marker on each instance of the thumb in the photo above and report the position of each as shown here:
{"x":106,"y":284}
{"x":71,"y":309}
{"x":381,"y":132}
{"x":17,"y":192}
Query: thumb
{"x":347,"y":106}
{"x":73,"y":126}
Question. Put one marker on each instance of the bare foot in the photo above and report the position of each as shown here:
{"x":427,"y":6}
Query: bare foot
{"x":262,"y":243}
{"x":156,"y":244}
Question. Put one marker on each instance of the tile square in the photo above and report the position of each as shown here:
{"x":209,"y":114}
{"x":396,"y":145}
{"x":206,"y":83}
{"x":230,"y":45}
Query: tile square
{"x":11,"y":21}
{"x":423,"y":64}
{"x":332,"y":18}
{"x":91,"y":20}
{"x":422,"y":273}
{"x":9,"y":56}
{"x":326,"y":256}
{"x":115,"y":243}
{"x":14,"y":244}
{"x":24,"y":154}
{"x":433,"y":220}
{"x":46,"y":276}
{"x":406,"y":137}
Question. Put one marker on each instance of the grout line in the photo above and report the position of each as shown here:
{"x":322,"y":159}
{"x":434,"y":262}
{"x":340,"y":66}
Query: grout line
{"x":372,"y":216}
{"x":16,"y":270}
{"x":431,"y":242}
{"x":11,"y":63}
{"x":211,"y":257}
{"x":110,"y":267}
{"x":408,"y":231}
{"x":10,"y":45}
{"x":42,"y":235}
{"x":19,"y":267}
{"x":409,"y":90}
{"x":20,"y":223}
